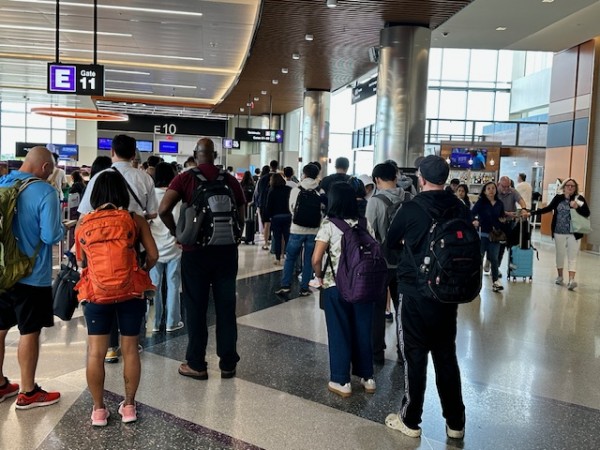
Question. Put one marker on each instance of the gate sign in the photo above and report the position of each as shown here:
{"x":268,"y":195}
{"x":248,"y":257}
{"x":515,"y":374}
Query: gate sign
{"x":80,"y":79}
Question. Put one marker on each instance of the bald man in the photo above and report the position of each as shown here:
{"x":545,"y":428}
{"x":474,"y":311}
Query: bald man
{"x":28,"y":304}
{"x":206,"y":266}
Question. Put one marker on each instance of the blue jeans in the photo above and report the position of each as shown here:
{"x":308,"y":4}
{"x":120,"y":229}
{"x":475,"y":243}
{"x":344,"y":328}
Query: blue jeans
{"x":492,"y":248}
{"x":349,"y":336}
{"x":172,"y":271}
{"x":293,"y":249}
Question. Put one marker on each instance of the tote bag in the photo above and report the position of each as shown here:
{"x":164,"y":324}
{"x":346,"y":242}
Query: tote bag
{"x":580,"y":224}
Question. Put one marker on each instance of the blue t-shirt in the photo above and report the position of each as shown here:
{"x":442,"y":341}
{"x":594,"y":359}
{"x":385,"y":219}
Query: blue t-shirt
{"x":38,"y":219}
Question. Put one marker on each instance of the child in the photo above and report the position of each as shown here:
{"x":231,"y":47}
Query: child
{"x":113,"y":284}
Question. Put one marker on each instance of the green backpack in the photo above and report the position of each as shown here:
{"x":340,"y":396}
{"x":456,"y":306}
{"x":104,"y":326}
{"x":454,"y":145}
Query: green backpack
{"x":14,"y":264}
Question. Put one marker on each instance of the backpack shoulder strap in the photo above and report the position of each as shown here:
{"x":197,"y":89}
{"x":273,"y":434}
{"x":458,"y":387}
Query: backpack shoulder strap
{"x":28,"y":181}
{"x":340,"y":223}
{"x":384,"y":198}
{"x":135,"y":197}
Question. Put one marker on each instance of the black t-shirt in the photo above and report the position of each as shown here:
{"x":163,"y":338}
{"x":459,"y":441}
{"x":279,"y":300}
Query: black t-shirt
{"x":333,"y":178}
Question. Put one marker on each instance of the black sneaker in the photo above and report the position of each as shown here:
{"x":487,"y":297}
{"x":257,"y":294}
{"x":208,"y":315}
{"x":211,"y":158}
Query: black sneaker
{"x":305,"y":292}
{"x":283,"y":290}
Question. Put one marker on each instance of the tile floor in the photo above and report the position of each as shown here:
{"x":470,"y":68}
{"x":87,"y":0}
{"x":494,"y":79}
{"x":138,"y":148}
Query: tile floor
{"x":530,"y":362}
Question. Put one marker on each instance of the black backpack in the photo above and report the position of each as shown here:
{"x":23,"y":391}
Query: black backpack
{"x":307,"y":210}
{"x":450,"y":271}
{"x":211,"y":217}
{"x":391,"y":255}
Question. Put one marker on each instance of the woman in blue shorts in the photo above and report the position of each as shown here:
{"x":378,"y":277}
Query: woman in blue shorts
{"x":103,"y":301}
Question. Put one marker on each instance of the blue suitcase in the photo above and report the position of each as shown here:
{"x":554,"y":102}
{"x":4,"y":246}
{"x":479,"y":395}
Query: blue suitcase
{"x":520,"y":264}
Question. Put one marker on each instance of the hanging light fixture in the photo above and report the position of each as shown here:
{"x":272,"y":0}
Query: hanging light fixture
{"x":492,"y":162}
{"x":331,"y":3}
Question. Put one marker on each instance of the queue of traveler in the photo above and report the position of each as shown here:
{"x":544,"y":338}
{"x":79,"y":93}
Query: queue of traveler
{"x":314,"y":224}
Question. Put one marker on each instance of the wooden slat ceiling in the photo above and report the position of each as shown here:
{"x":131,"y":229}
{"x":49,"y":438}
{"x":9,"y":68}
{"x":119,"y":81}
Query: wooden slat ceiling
{"x":337,"y":55}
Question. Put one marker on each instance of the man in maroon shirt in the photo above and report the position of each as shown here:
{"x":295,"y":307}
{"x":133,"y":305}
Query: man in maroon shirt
{"x":203,"y":266}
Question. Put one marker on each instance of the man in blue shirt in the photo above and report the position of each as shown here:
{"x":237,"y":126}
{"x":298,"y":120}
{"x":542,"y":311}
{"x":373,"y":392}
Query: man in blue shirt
{"x":28,"y":304}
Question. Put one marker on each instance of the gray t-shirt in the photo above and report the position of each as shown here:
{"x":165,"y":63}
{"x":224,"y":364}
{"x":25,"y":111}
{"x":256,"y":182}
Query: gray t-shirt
{"x":510,"y":199}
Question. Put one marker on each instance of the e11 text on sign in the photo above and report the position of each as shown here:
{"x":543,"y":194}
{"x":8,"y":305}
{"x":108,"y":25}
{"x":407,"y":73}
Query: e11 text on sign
{"x":80,"y":79}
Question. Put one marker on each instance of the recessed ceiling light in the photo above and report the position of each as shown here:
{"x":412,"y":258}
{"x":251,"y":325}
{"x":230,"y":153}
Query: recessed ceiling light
{"x":63,"y":30}
{"x":309,"y":37}
{"x":118,"y":8}
{"x":275,"y":81}
{"x":295,"y":55}
{"x":256,"y":99}
{"x":284,"y":70}
{"x":547,"y":1}
{"x":179,"y":86}
{"x":500,"y":28}
{"x":263,"y":92}
{"x":241,"y":109}
{"x":133,"y":72}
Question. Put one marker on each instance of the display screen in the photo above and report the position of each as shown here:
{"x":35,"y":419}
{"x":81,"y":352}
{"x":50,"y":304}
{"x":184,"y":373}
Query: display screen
{"x":104,"y":143}
{"x":145,"y":146}
{"x":460,"y":157}
{"x":21,"y":148}
{"x":227,"y":143}
{"x":67,"y":151}
{"x":168,"y":147}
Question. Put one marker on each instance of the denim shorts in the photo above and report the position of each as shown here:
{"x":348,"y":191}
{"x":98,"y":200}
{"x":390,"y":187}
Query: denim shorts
{"x":100,"y":317}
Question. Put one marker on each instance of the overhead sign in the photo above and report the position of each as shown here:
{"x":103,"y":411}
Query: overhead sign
{"x":258,"y":135}
{"x":364,"y":90}
{"x":80,"y":79}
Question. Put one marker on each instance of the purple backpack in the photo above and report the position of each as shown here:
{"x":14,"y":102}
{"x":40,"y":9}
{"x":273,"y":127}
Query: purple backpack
{"x":362,"y":270}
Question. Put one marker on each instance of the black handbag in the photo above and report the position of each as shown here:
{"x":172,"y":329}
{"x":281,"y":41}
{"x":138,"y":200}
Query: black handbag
{"x":64,"y":295}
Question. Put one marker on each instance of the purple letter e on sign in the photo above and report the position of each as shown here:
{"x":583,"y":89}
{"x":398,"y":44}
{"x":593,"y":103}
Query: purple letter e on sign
{"x":62,"y":78}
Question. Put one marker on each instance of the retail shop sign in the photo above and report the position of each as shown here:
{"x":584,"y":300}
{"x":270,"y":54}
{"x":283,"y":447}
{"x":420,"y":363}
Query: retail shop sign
{"x":79,"y":79}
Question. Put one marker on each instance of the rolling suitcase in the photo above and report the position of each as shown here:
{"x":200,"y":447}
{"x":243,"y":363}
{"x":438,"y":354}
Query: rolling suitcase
{"x":520,"y":264}
{"x":249,"y":226}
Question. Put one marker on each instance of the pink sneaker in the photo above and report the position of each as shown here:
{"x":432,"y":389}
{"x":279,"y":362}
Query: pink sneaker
{"x":100,"y":417}
{"x":128,"y":412}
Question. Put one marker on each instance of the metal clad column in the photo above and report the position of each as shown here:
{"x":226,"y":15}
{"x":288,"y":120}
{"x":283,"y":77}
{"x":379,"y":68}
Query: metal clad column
{"x":402,"y":94}
{"x":315,"y":128}
{"x":269,"y":151}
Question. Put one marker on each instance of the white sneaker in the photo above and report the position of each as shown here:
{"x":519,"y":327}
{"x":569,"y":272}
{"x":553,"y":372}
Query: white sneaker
{"x":455,"y":434}
{"x":343,"y":390}
{"x":559,"y":281}
{"x":572,"y":285}
{"x":487,"y":266}
{"x":394,"y":422}
{"x":369,"y":385}
{"x":314,"y":283}
{"x":178,"y":326}
{"x":496,"y":286}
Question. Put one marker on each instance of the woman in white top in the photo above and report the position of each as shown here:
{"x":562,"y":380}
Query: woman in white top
{"x":348,"y":324}
{"x":169,"y":260}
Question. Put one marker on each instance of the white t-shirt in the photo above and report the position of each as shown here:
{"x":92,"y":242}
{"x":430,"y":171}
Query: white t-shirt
{"x":332,"y":235}
{"x":58,"y":179}
{"x":140,"y":182}
{"x":526,"y":191}
{"x":165,"y":241}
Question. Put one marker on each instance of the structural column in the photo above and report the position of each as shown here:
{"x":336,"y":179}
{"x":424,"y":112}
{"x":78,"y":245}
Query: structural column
{"x":315,"y":128}
{"x":402,"y":94}
{"x":268,"y":150}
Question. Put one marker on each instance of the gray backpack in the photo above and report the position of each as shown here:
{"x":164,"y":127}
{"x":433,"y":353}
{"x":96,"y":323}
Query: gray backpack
{"x":211,"y":217}
{"x":391,"y":256}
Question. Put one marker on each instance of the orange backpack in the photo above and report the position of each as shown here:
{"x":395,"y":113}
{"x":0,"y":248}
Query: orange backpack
{"x":105,"y":241}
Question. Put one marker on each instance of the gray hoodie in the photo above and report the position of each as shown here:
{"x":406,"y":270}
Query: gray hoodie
{"x":306,"y":183}
{"x":377,"y":211}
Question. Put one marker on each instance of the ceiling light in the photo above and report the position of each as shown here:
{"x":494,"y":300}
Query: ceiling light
{"x":263,"y":92}
{"x":284,"y":70}
{"x":500,"y":28}
{"x":62,"y":30}
{"x":309,"y":37}
{"x":256,"y":99}
{"x":275,"y":81}
{"x":295,"y":55}
{"x":492,"y":162}
{"x":137,"y":91}
{"x":133,"y":72}
{"x":331,"y":3}
{"x":10,"y":74}
{"x":180,"y":86}
{"x":547,"y":1}
{"x":241,"y":109}
{"x":114,"y":7}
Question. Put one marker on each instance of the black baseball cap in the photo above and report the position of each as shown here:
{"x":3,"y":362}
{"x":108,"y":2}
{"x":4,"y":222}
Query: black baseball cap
{"x":434,"y":169}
